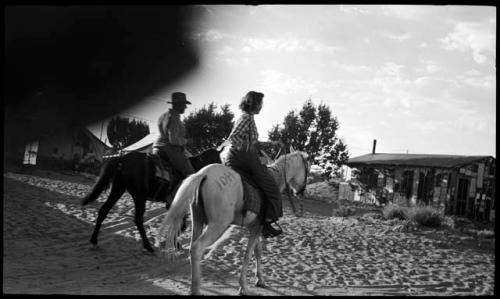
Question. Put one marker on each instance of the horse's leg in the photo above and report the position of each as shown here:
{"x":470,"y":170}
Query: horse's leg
{"x":252,"y":241}
{"x":116,"y":192}
{"x":207,"y":238}
{"x":258,"y":256}
{"x":197,"y":223}
{"x":140,"y":208}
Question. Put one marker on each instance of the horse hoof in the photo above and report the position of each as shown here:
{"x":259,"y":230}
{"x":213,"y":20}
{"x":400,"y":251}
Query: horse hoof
{"x":243,"y":292}
{"x":261,"y":284}
{"x":93,"y":242}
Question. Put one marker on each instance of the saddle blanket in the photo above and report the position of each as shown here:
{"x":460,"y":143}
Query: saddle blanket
{"x":162,"y":168}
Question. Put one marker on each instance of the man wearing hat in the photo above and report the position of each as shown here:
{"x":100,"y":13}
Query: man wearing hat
{"x":172,"y":139}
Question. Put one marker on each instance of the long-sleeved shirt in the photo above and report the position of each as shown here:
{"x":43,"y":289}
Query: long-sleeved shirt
{"x":171,"y":129}
{"x":244,"y":134}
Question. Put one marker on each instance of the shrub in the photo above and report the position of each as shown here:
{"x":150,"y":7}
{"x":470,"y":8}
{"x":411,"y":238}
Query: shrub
{"x":393,"y":211}
{"x":344,"y":212}
{"x":426,"y":216}
{"x":448,"y":222}
{"x":372,"y":215}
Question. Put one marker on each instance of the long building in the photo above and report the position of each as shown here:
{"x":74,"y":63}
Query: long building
{"x":459,"y":185}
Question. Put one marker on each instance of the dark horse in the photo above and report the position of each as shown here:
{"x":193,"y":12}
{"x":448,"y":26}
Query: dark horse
{"x":135,"y":173}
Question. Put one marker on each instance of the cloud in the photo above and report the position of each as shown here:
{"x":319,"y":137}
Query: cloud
{"x":486,"y":82}
{"x":282,"y":83}
{"x":429,"y":67}
{"x":478,"y":38}
{"x":350,"y":9}
{"x":390,"y":79}
{"x":263,"y":44}
{"x":432,"y":68}
{"x":225,"y":50}
{"x":391,"y":69}
{"x":286,"y":44}
{"x":407,"y":12}
{"x":351,"y":68}
{"x":473,"y":72}
{"x":432,"y":90}
{"x":459,"y":124}
{"x":210,"y":35}
{"x":400,"y":37}
{"x":234,"y":62}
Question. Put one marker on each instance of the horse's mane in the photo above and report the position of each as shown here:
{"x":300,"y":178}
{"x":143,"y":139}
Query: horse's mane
{"x":291,"y":157}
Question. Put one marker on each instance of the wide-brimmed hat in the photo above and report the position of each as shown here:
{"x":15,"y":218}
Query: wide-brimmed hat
{"x":179,"y":97}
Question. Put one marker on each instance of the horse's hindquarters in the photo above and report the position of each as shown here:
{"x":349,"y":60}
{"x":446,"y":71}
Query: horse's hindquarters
{"x":221,"y":192}
{"x":222,"y":196}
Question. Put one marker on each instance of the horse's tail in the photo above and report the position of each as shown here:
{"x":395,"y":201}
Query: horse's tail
{"x":186,"y":194}
{"x":107,"y":173}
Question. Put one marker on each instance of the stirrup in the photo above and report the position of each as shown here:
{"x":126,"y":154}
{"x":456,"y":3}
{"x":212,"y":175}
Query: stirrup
{"x":271,"y":231}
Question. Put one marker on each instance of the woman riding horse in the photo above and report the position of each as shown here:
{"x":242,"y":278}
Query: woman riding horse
{"x":243,"y":155}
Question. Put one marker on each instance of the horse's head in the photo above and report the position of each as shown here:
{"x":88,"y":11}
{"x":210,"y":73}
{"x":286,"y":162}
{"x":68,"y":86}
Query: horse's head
{"x":207,"y":157}
{"x":296,"y":170}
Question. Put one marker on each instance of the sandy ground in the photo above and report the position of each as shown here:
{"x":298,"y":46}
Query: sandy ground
{"x":46,"y":250}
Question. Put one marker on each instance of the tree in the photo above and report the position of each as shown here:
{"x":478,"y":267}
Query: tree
{"x":123,"y":132}
{"x":207,"y":128}
{"x":313,"y":130}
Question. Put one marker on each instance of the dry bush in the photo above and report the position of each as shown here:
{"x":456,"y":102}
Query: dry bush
{"x":426,"y":216}
{"x":343,"y":211}
{"x":392,"y":211}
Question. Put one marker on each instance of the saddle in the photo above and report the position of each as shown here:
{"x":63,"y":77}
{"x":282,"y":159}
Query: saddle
{"x":163,"y":169}
{"x":165,"y":177}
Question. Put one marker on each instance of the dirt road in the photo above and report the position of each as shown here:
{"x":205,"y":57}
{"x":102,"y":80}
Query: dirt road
{"x":46,"y":251}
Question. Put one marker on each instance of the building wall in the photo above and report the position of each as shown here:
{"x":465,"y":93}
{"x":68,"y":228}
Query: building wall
{"x":442,"y":188}
{"x":68,"y":144}
{"x":63,"y":143}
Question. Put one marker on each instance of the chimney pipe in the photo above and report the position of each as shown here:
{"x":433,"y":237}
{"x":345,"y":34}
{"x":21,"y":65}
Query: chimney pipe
{"x":374,"y":146}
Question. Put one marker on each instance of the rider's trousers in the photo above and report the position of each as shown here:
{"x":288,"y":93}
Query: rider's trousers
{"x":177,"y":158}
{"x":249,"y":162}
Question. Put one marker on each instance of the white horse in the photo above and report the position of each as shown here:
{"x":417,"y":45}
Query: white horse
{"x":215,"y":194}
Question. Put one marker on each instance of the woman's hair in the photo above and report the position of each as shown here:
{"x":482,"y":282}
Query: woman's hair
{"x":250,"y":101}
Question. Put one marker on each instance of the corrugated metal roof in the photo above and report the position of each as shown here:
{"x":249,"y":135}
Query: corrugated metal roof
{"x":419,"y":160}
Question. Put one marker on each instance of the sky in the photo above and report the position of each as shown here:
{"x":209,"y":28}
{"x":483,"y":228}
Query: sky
{"x":419,"y":79}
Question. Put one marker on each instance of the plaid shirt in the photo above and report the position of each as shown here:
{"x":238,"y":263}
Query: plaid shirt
{"x":244,"y":133}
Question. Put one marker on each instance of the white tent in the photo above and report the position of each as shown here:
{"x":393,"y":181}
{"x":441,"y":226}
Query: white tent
{"x":144,"y":145}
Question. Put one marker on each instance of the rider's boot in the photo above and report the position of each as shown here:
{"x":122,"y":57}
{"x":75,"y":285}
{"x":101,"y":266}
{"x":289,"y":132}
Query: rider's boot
{"x":269,"y":231}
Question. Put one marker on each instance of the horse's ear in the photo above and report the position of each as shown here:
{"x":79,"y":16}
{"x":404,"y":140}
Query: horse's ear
{"x":291,"y":149}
